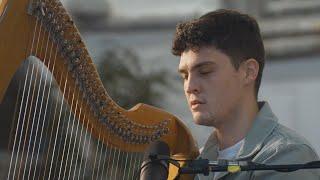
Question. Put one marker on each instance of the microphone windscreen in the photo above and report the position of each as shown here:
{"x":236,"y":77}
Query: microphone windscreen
{"x":158,"y":148}
{"x":155,"y":169}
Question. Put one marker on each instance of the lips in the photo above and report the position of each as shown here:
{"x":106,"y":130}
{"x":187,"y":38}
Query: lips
{"x":195,"y":104}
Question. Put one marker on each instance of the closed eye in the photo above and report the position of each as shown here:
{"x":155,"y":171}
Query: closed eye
{"x":205,"y":72}
{"x":184,"y":76}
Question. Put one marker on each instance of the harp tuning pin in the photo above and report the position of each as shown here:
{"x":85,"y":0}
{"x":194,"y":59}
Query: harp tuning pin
{"x":61,"y":33}
{"x":70,"y":67}
{"x":75,"y":36}
{"x":138,"y":139}
{"x":57,"y":28}
{"x":111,"y":124}
{"x":49,"y":16}
{"x":78,"y":52}
{"x":72,"y":56}
{"x":77,"y":81}
{"x":165,"y":122}
{"x":42,"y":8}
{"x":95,"y":114}
{"x":132,"y":138}
{"x":76,"y":61}
{"x":145,"y":139}
{"x":165,"y":130}
{"x":53,"y":6}
{"x":120,"y":131}
{"x":103,"y":104}
{"x":104,"y":120}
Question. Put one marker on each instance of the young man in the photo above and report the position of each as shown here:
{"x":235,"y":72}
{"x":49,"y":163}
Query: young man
{"x":221,"y":62}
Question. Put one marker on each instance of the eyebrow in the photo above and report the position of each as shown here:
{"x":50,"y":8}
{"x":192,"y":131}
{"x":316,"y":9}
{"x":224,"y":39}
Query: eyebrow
{"x":182,"y":70}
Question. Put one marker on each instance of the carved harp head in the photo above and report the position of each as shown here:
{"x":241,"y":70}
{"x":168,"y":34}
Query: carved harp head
{"x":40,"y":45}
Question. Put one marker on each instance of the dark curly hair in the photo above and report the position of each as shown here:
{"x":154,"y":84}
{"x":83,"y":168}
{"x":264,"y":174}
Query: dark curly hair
{"x":235,"y":34}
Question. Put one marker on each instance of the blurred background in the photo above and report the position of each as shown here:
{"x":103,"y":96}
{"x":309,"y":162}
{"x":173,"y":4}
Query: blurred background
{"x":130,"y":43}
{"x":143,"y":29}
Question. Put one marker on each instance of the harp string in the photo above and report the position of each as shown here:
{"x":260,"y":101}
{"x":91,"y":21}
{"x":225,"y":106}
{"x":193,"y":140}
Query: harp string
{"x":20,"y":111}
{"x":51,"y":69}
{"x":87,"y":153}
{"x":99,"y":174}
{"x":44,"y":156}
{"x":100,"y":154}
{"x":17,"y":127}
{"x":95,"y":156}
{"x":117,"y":162}
{"x":23,"y":123}
{"x":84,"y":145}
{"x":32,"y":126}
{"x":52,"y":125}
{"x":121,"y":165}
{"x":18,"y":122}
{"x":129,"y":165}
{"x":66,"y":138}
{"x":79,"y":145}
{"x":112,"y":164}
{"x":66,"y":145}
{"x":136,"y":155}
{"x":40,"y":113}
{"x":135,"y":163}
{"x":104,"y":160}
{"x":70,"y":138}
{"x":75,"y":137}
{"x":15,"y":118}
{"x":58,"y":125}
{"x":31,"y":109}
{"x":36,"y":109}
{"x":46,"y":106}
{"x":119,"y":173}
{"x":28,"y":123}
{"x":125,"y":165}
{"x":60,"y":142}
{"x":101,"y":159}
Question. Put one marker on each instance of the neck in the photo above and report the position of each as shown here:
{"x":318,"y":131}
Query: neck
{"x":235,"y":129}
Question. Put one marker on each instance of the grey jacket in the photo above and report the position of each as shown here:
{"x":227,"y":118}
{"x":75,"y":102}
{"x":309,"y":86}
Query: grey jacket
{"x":267,"y":142}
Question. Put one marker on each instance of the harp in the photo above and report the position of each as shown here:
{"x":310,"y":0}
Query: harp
{"x":41,"y":30}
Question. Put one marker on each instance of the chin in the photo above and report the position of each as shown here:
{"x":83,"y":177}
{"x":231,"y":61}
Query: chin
{"x":203,"y":119}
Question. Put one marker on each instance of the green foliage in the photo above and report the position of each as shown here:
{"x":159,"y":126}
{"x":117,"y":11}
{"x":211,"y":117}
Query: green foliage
{"x":122,"y":75}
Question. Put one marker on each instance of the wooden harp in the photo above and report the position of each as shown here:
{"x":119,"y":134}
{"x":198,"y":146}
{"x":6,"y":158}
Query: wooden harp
{"x":43,"y":29}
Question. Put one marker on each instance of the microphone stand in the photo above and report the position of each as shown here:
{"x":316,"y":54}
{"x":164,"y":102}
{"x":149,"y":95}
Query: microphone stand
{"x":204,"y":166}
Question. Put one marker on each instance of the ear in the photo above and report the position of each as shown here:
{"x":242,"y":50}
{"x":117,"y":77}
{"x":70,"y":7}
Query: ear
{"x":250,"y":68}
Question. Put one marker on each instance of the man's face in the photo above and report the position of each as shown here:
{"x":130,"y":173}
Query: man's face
{"x":213,"y":87}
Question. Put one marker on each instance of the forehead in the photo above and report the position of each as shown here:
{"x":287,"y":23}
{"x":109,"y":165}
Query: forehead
{"x":206,"y":55}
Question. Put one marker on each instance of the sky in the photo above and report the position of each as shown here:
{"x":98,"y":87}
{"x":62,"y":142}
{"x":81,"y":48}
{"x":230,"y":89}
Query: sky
{"x":138,"y":8}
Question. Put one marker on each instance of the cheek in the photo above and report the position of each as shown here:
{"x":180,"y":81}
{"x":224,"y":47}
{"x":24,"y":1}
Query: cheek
{"x":232,"y":92}
{"x":222,"y":90}
{"x":185,"y":89}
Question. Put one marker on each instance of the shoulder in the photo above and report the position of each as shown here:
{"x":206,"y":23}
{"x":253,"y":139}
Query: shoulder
{"x":284,"y":145}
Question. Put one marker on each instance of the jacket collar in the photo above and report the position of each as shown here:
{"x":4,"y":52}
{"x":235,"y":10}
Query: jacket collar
{"x":262,"y":126}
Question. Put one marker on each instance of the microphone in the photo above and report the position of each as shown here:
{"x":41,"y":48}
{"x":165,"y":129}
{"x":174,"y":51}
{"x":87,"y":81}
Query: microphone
{"x":152,"y":168}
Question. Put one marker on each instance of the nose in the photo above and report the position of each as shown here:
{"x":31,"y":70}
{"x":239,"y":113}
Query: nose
{"x":191,"y":85}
